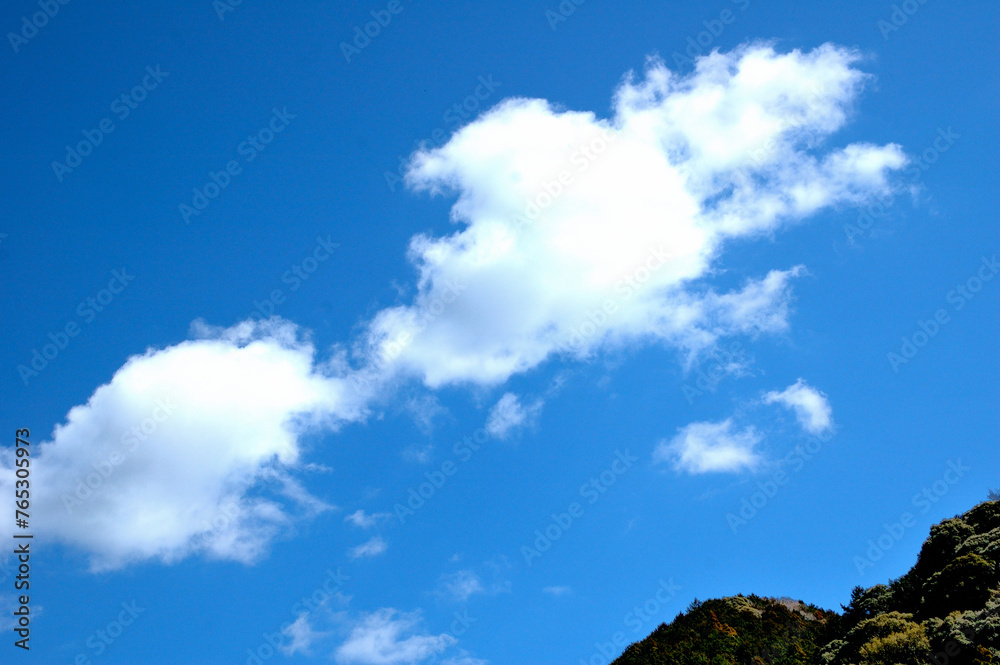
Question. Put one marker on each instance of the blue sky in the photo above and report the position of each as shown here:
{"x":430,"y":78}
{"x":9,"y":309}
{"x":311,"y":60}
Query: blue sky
{"x":716,"y":325}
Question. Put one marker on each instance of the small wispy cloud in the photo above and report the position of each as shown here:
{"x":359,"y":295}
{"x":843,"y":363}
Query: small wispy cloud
{"x":302,"y":636}
{"x":418,"y":454}
{"x":464,"y":659}
{"x":372,"y":548}
{"x":707,"y":447}
{"x":365,"y":521}
{"x":557,"y":590}
{"x":390,"y":637}
{"x":811,"y":407}
{"x":508,"y":415}
{"x":424,"y":409}
{"x":460,"y":585}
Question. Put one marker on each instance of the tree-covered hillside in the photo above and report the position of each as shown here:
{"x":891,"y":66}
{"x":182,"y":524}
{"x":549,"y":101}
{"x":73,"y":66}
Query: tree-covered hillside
{"x":944,"y":611}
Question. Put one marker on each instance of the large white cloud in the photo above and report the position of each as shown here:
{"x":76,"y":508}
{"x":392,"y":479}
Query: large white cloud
{"x":579,"y":232}
{"x":189,"y":449}
{"x":575,"y":233}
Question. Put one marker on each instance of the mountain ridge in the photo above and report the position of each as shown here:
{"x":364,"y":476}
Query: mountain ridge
{"x":944,"y":611}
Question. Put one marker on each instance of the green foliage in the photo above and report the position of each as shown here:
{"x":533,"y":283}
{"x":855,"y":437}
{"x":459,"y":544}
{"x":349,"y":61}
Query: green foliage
{"x":941,"y":546}
{"x":984,"y":517}
{"x":743,"y":629}
{"x":874,"y":637}
{"x":908,"y":646}
{"x":866,"y":603}
{"x":963,"y":584}
{"x":946,"y":609}
{"x":968,"y":638}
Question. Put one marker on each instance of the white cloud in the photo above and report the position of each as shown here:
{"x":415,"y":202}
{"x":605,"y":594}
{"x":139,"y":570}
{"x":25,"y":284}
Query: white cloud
{"x":710,"y":447}
{"x":361,"y":519}
{"x":464,"y":659}
{"x":418,"y":454}
{"x":424,"y":409}
{"x":303,"y":636}
{"x":460,"y":585}
{"x":388,"y":637}
{"x":189,"y":449}
{"x":371,"y":548}
{"x":647,"y":201}
{"x":576,"y":234}
{"x":557,"y":590}
{"x":8,"y":605}
{"x":811,"y":407}
{"x":508,"y":415}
